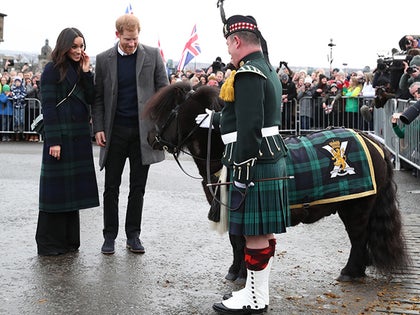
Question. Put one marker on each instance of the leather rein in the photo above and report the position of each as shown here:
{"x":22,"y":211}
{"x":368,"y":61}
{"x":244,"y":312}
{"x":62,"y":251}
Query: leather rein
{"x":176,"y":148}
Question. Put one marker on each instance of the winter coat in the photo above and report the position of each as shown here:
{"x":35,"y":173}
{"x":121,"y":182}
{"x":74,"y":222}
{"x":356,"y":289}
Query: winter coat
{"x":6,"y":106}
{"x":352,"y":102}
{"x":67,"y":184}
{"x":151,"y":76}
{"x":19,"y":94}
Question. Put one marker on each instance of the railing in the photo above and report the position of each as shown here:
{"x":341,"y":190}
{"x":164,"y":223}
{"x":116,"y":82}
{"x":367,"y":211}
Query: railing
{"x":308,"y":115}
{"x":18,"y":120}
{"x":407,"y":148}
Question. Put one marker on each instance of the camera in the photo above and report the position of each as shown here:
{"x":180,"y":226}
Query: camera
{"x":392,"y":62}
{"x":282,"y":63}
{"x":410,"y":113}
{"x":383,"y":64}
{"x":382,"y":95}
{"x":411,"y":69}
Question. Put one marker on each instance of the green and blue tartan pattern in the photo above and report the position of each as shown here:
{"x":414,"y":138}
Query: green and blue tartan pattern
{"x":266,"y":208}
{"x":311,"y":164}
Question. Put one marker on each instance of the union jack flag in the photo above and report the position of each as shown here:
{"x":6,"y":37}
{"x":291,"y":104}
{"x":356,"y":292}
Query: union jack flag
{"x":191,"y":50}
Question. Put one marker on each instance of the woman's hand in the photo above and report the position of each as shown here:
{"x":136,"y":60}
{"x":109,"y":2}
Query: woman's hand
{"x":55,"y":151}
{"x":85,"y":60}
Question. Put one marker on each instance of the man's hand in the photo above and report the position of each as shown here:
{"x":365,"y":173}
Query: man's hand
{"x":242,"y":186}
{"x":100,"y":138}
{"x":203,"y":120}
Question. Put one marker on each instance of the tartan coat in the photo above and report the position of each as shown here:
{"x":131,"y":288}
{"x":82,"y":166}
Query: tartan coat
{"x":68,"y":184}
{"x":150,"y":75}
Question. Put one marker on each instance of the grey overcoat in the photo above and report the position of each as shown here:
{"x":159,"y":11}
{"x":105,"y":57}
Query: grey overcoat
{"x":151,"y":76}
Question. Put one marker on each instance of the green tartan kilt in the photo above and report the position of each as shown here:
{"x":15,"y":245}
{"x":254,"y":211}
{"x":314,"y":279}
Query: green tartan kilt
{"x":265,"y":209}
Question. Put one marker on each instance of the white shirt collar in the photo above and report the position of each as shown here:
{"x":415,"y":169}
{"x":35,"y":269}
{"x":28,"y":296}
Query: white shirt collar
{"x":120,"y":51}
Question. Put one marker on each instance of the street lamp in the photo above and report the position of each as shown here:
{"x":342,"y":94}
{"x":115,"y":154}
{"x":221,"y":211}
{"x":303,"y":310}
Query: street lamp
{"x":330,"y":58}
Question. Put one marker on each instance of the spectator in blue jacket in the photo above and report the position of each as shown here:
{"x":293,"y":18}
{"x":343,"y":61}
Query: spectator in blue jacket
{"x":6,"y":112}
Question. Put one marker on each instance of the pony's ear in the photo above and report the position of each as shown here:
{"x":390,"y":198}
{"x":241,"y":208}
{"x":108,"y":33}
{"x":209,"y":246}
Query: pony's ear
{"x":165,"y":99}
{"x":208,"y":97}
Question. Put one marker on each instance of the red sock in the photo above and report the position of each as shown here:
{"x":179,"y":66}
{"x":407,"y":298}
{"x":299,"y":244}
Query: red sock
{"x":257,"y":259}
{"x":272,"y":243}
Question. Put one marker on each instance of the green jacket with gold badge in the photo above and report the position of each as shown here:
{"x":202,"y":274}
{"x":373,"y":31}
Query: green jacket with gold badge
{"x":250,"y":120}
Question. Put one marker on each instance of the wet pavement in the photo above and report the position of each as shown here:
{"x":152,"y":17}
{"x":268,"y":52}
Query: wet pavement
{"x":183,"y":269}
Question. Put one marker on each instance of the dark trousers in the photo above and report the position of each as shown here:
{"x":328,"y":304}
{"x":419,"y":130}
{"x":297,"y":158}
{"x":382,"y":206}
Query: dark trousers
{"x":57,"y":233}
{"x":125,"y":143}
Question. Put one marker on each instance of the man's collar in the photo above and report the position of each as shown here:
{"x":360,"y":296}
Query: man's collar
{"x":120,"y":51}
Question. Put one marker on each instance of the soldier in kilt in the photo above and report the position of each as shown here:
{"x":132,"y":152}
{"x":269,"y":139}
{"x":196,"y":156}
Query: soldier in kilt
{"x":254,"y":151}
{"x":68,"y":180}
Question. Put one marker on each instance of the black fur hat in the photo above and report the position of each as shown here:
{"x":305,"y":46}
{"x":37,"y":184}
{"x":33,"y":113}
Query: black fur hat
{"x":237,"y":23}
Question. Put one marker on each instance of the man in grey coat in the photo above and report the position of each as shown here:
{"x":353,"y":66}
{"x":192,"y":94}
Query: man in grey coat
{"x":126,"y":76}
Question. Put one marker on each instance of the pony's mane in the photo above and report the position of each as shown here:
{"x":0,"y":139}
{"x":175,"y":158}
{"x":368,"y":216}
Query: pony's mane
{"x":166,"y":99}
{"x":181,"y":93}
{"x":208,"y":97}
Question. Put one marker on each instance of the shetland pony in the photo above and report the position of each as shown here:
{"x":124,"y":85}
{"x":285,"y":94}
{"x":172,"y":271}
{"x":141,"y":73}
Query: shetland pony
{"x":372,"y":221}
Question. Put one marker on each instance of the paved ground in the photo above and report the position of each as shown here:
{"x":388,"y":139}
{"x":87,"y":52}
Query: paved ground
{"x":185,"y":262}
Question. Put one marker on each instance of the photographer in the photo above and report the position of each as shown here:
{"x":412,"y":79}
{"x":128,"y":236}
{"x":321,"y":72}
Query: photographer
{"x":406,"y":118}
{"x":409,"y":41}
{"x":217,"y":65}
{"x":413,"y":111}
{"x":381,"y":82}
{"x":284,"y":68}
{"x":411,"y":73}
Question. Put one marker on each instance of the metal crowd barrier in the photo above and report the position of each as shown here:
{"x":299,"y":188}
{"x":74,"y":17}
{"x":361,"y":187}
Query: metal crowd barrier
{"x":297,"y":120}
{"x":379,"y":124}
{"x":8,"y":126}
{"x":405,"y":149}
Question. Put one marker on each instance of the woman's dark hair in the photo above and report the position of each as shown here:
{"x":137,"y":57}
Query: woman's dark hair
{"x":64,"y":43}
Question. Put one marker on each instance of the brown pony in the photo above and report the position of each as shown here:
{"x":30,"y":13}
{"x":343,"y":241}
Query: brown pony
{"x":372,"y":221}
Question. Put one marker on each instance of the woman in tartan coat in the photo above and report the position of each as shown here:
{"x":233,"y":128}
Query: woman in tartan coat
{"x":68,"y":180}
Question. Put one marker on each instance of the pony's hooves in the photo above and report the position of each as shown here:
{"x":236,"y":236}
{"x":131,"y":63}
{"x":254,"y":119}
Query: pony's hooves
{"x":344,"y":278}
{"x":347,"y":278}
{"x":231,"y":276}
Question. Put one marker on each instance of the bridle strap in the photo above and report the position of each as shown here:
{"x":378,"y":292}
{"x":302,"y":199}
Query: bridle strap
{"x":175,"y":155}
{"x":212,"y":192}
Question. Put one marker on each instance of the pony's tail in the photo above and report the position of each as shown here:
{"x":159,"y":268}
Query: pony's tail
{"x":386,"y":243}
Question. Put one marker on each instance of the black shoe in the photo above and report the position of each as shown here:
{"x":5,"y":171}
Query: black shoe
{"x":227,"y":296}
{"x":108,"y":247}
{"x":135,"y":246}
{"x":221,"y":309}
{"x":49,"y":253}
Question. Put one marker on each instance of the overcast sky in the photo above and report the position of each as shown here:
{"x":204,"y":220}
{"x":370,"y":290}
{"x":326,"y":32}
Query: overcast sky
{"x":296,"y":31}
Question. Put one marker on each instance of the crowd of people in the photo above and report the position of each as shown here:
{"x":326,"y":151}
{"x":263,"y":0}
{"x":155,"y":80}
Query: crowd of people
{"x":19,"y":102}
